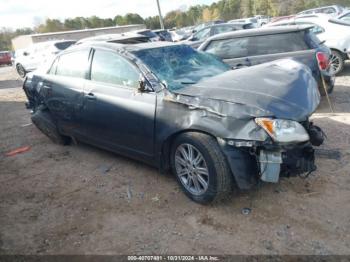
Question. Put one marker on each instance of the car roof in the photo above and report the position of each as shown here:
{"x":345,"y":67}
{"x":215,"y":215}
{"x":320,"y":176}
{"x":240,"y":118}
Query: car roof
{"x":142,"y":31}
{"x":224,"y":24}
{"x":159,"y":30}
{"x":56,"y":41}
{"x":112,"y":37}
{"x":322,"y":7}
{"x":121,"y":47}
{"x":317,"y":16}
{"x":319,"y":19}
{"x":216,"y":25}
{"x":260,"y":31}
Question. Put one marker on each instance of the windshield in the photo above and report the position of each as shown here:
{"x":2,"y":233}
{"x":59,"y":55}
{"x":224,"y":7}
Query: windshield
{"x":180,"y":65}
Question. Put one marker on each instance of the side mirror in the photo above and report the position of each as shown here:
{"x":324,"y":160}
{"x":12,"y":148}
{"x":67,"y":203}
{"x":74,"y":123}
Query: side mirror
{"x":142,"y":84}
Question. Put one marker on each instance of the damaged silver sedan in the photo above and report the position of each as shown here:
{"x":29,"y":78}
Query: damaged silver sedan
{"x":182,"y":110}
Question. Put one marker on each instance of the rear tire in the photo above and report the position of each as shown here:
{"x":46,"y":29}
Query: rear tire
{"x":44,"y":122}
{"x":337,"y":62}
{"x":20,"y":70}
{"x":328,"y":88}
{"x":200,"y":167}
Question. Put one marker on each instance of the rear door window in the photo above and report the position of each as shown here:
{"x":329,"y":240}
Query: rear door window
{"x":73,"y":64}
{"x":277,"y":43}
{"x":229,"y":48}
{"x":109,"y":67}
{"x":258,"y":45}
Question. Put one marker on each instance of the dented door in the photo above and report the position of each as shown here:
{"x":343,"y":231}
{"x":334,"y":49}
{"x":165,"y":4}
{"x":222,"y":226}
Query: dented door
{"x":64,"y":97}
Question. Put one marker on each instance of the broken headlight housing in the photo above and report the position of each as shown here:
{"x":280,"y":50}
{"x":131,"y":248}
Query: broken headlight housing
{"x":283,"y":131}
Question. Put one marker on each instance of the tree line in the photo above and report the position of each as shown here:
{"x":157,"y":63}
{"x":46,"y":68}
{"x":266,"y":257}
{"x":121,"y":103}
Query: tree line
{"x":223,"y":9}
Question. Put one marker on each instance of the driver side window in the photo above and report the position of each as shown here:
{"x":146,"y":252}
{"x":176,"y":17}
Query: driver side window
{"x":109,"y":67}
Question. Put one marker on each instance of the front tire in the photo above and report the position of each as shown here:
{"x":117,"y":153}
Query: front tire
{"x":200,"y":167}
{"x":20,"y":70}
{"x":337,"y":62}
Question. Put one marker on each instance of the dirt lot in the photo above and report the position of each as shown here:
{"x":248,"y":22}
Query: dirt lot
{"x":82,"y":200}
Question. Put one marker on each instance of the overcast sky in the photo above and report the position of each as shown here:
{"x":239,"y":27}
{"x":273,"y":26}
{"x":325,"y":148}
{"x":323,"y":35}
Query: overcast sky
{"x":28,"y":13}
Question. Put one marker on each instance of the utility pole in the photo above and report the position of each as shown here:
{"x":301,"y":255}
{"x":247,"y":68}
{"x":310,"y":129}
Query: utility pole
{"x":160,"y":16}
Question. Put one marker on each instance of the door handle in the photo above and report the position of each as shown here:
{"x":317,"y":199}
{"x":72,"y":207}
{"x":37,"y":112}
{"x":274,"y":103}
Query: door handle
{"x":90,"y":96}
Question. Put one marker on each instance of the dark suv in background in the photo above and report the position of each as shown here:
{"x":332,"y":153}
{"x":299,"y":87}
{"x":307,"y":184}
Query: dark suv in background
{"x":199,"y":37}
{"x":257,"y":46}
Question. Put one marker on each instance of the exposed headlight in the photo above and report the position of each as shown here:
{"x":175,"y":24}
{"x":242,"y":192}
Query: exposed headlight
{"x":283,"y":131}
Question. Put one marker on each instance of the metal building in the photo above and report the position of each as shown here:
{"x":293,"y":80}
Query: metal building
{"x":24,"y":41}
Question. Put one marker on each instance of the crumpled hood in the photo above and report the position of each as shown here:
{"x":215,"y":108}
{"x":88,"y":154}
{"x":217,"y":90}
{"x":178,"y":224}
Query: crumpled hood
{"x":283,"y":89}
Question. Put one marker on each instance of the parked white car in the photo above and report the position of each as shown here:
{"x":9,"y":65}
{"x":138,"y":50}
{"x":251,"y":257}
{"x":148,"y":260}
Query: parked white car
{"x":332,"y":10}
{"x":31,"y":58}
{"x":333,"y":32}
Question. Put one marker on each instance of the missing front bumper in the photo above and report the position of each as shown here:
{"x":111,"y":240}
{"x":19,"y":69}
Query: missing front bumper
{"x":269,"y":164}
{"x":293,"y":162}
{"x":250,"y":161}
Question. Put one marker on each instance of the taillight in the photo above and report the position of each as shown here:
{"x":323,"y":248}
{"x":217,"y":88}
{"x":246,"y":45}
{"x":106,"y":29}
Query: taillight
{"x":322,"y":60}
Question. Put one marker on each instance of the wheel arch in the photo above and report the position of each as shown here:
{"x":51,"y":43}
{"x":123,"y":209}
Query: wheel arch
{"x":242,"y":174}
{"x":339,"y":51}
{"x":166,"y":145}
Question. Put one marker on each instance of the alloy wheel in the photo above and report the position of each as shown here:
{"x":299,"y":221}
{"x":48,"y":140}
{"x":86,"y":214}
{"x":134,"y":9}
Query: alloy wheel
{"x":191,"y":169}
{"x":335,"y":64}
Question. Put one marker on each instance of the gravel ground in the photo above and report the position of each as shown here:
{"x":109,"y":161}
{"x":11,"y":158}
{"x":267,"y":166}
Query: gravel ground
{"x":82,"y":200}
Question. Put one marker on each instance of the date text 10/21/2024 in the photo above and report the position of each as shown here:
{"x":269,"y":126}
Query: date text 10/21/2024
{"x":173,"y":258}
